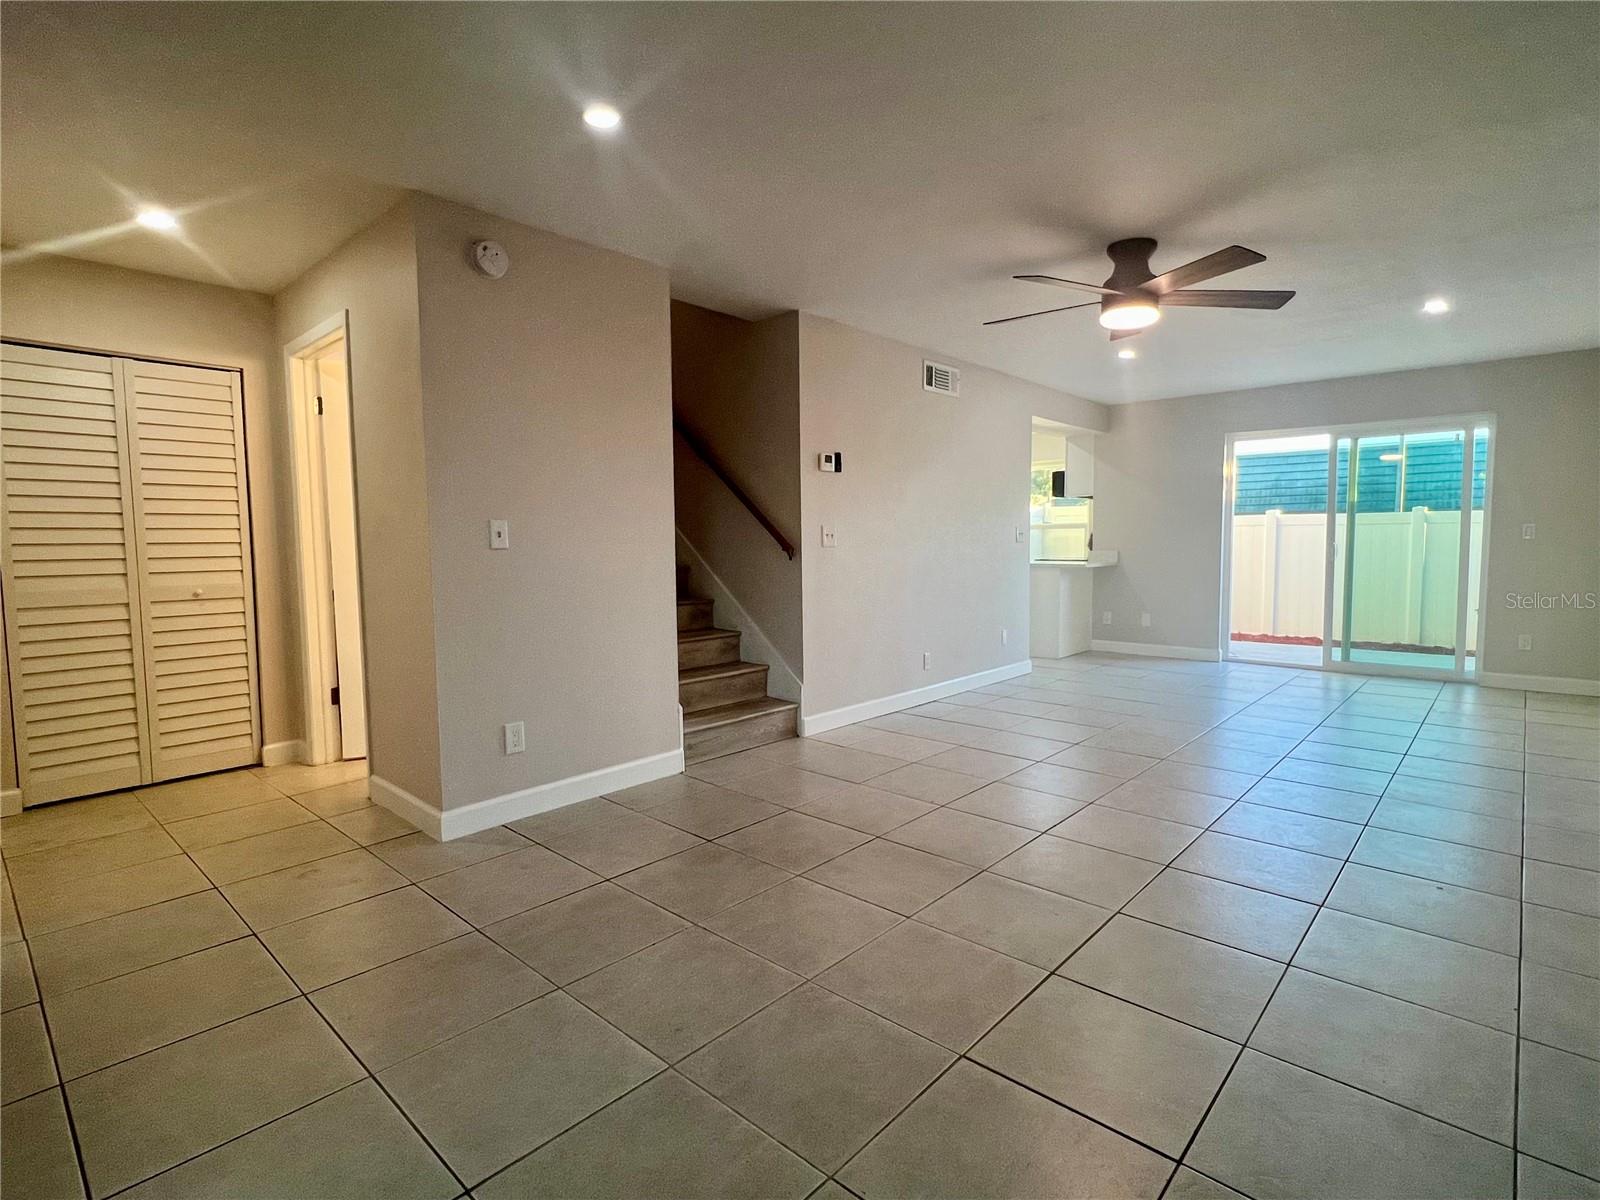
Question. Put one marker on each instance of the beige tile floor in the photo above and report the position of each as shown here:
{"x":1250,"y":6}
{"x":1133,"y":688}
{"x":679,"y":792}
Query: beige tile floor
{"x":1122,"y":927}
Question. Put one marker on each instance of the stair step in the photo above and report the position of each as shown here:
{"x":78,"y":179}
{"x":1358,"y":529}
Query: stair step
{"x":701,"y":688}
{"x":728,"y":714}
{"x":710,"y":631}
{"x":693,"y":613}
{"x":707,"y":647}
{"x":731,"y":727}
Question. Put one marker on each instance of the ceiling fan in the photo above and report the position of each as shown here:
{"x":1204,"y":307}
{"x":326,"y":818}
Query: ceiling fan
{"x":1132,"y":298}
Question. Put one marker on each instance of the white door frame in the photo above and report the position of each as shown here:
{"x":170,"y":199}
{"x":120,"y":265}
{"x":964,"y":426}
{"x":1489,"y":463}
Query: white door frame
{"x":1469,"y":422}
{"x":313,"y":574}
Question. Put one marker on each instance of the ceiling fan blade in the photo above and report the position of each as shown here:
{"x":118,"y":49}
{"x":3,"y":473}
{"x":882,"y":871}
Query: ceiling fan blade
{"x":1229,"y":259}
{"x":1069,"y":283}
{"x":1041,"y":313}
{"x":1118,"y":334}
{"x":1204,"y":299}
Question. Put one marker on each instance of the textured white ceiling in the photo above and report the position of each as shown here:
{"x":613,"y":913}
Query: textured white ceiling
{"x":888,"y":165}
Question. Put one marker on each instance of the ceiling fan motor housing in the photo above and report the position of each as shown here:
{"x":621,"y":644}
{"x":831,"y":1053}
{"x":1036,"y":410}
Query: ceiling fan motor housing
{"x":1130,"y":260}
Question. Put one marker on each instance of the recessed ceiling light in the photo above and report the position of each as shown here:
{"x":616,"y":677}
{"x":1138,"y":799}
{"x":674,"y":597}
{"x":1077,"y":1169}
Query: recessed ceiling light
{"x":601,"y":116}
{"x":1127,"y":352}
{"x":1436,"y":306}
{"x":158,"y":219}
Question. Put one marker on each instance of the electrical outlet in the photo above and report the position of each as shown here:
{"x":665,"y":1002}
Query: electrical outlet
{"x":1022,"y":534}
{"x":1524,"y":641}
{"x":499,"y":535}
{"x":1105,"y":617}
{"x":516,"y":737}
{"x":1527,"y":531}
{"x":927,"y":659}
{"x":827,"y":537}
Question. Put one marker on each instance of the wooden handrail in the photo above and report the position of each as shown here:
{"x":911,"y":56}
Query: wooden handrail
{"x":704,"y":454}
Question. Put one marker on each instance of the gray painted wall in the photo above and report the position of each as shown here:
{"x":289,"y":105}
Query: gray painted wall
{"x":1158,"y":498}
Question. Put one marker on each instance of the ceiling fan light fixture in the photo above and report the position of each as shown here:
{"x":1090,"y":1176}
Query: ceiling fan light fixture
{"x":1129,"y":314}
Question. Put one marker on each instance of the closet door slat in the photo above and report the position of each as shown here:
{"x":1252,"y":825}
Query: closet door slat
{"x":192,"y":516}
{"x":72,"y":596}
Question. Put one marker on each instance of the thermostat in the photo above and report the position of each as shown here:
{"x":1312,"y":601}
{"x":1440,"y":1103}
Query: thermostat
{"x":491,"y":258}
{"x":831,"y":460}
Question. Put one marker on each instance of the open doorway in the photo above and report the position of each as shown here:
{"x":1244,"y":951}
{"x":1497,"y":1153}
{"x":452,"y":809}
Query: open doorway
{"x":329,"y":562}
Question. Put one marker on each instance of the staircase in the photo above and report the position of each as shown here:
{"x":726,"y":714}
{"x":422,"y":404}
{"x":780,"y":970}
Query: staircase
{"x":725,"y":702}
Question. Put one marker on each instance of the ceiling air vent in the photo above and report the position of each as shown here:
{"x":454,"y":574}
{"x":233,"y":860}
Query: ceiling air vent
{"x":936,"y":377}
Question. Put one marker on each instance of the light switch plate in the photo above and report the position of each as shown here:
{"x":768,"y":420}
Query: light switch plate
{"x":1524,"y":641}
{"x":828,"y":539}
{"x":1527,"y":531}
{"x":499,"y":535}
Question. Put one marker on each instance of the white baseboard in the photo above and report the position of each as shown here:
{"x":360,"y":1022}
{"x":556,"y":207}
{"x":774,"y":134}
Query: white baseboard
{"x":497,"y":810}
{"x":821,"y":722}
{"x":276,"y":754}
{"x":10,"y":802}
{"x":782,"y":682}
{"x":406,"y":806}
{"x":1541,"y":683}
{"x":1151,"y":650}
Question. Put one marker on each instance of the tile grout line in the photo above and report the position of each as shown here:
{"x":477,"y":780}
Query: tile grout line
{"x":1050,"y":974}
{"x":1522,"y":891}
{"x":327,"y":1024}
{"x":813,"y":980}
{"x":359,"y":1061}
{"x":1321,"y":907}
{"x":252,"y":934}
{"x":55,"y":1063}
{"x":982,"y":783}
{"x":1243,"y":1046}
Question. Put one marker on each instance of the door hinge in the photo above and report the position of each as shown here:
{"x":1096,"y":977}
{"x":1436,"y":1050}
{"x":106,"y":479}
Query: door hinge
{"x":333,"y":695}
{"x":319,"y":406}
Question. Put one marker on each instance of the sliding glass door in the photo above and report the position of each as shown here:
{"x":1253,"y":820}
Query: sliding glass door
{"x":1406,"y":536}
{"x":1389,"y":579}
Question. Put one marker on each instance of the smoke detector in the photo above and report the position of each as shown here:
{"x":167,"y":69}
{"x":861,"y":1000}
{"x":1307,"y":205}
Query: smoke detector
{"x":491,"y":259}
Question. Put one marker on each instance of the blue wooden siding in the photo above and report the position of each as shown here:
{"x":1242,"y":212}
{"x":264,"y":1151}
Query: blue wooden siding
{"x":1297,"y":481}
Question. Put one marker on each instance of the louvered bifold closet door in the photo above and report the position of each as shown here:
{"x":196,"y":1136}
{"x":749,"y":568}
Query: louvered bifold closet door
{"x":71,"y":583}
{"x":194,"y":556}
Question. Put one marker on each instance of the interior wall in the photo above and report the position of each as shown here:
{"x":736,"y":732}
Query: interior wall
{"x":530,"y":385}
{"x":925,"y":516}
{"x":374,"y":277}
{"x":88,"y":306}
{"x":1159,"y":495}
{"x":736,"y":384}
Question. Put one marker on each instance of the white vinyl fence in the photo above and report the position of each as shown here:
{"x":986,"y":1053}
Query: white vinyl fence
{"x":1407,"y":568}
